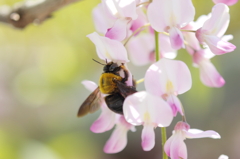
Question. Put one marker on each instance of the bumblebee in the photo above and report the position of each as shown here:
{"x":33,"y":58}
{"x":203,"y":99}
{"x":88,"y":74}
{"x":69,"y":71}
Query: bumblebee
{"x":110,"y":83}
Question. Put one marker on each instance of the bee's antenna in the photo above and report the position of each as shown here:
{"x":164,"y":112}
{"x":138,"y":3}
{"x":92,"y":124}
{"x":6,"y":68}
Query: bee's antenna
{"x":106,"y":61}
{"x":98,"y":62}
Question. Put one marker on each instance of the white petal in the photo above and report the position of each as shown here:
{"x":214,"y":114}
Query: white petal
{"x":196,"y":133}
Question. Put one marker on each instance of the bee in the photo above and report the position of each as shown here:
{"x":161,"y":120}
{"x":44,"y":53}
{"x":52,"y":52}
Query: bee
{"x":110,"y":83}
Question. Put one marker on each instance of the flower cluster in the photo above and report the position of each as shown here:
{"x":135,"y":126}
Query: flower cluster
{"x":151,"y":32}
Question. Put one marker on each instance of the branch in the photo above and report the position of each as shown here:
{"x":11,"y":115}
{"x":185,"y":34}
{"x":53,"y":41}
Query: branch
{"x":30,"y":11}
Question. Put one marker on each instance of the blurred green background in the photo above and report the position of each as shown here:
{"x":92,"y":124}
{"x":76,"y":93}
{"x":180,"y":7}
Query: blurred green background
{"x":41,"y":69}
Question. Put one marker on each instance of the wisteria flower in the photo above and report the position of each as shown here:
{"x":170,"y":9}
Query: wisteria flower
{"x":148,"y":110}
{"x":227,"y":2}
{"x":170,"y":16}
{"x":118,"y":140}
{"x":175,"y":146}
{"x":168,"y":78}
{"x":214,"y":28}
{"x":141,"y":48}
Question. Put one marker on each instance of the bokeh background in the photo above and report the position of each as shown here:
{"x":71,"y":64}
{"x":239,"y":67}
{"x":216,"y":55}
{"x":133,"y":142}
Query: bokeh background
{"x":41,"y":69}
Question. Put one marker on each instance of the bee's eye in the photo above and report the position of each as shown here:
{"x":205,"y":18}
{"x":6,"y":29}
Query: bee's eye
{"x":113,"y":66}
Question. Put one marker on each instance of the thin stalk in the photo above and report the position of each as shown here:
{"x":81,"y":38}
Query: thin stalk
{"x":163,"y":129}
{"x":135,"y":32}
{"x":164,"y":139}
{"x":156,"y":46}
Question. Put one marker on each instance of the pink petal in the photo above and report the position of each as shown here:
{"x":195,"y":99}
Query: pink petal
{"x":175,"y":104}
{"x":218,"y":23}
{"x":101,"y":20}
{"x":105,"y":121}
{"x":166,"y":49}
{"x":118,"y":31}
{"x":162,"y":13}
{"x":89,"y":85}
{"x":167,"y":145}
{"x":143,"y":107}
{"x":218,"y":46}
{"x":196,"y":133}
{"x":121,"y":8}
{"x":140,"y":49}
{"x":140,"y":21}
{"x":178,"y":148}
{"x":176,"y":38}
{"x":148,"y":137}
{"x":209,"y":74}
{"x":227,"y":2}
{"x":117,"y":142}
{"x":165,"y":72}
{"x":109,"y":49}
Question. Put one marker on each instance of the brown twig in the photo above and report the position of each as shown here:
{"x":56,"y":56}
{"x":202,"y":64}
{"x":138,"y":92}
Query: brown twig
{"x":22,"y":14}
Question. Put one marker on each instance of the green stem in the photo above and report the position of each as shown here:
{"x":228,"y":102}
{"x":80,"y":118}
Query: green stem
{"x":163,"y":130}
{"x":156,"y":45}
{"x":164,"y":139}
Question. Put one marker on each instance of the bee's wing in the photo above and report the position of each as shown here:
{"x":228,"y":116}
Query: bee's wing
{"x":125,"y":90}
{"x":91,"y":104}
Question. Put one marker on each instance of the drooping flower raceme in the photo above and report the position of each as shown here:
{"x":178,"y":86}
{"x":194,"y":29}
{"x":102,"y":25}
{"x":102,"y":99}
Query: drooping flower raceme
{"x":175,"y":146}
{"x":148,"y":110}
{"x":170,"y":16}
{"x":168,"y":78}
{"x":214,"y":28}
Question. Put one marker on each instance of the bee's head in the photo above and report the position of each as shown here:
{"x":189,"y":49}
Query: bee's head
{"x":111,"y":67}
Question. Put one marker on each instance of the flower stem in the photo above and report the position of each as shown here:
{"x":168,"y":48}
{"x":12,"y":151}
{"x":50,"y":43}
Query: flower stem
{"x":135,"y":32}
{"x":164,"y":139}
{"x":163,"y":129}
{"x":156,"y":45}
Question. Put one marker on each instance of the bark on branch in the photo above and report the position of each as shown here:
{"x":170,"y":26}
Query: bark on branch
{"x":30,"y":11}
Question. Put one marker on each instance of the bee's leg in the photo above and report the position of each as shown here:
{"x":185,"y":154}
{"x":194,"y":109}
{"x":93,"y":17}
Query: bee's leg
{"x":126,"y":74}
{"x":115,"y":102}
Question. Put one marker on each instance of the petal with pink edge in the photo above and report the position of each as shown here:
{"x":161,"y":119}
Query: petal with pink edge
{"x":141,"y":49}
{"x":227,"y":2}
{"x":109,"y":49}
{"x":166,"y":50}
{"x":118,"y":31}
{"x":209,"y":74}
{"x":175,"y":104}
{"x":196,"y":133}
{"x":140,"y":21}
{"x":148,"y":137}
{"x":118,"y":140}
{"x":142,"y":107}
{"x":89,"y":85}
{"x":218,"y":23}
{"x":178,"y":147}
{"x":218,"y":46}
{"x":167,"y":145}
{"x":162,"y":13}
{"x":176,"y":38}
{"x":168,"y":76}
{"x":101,"y":21}
{"x":105,"y":121}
